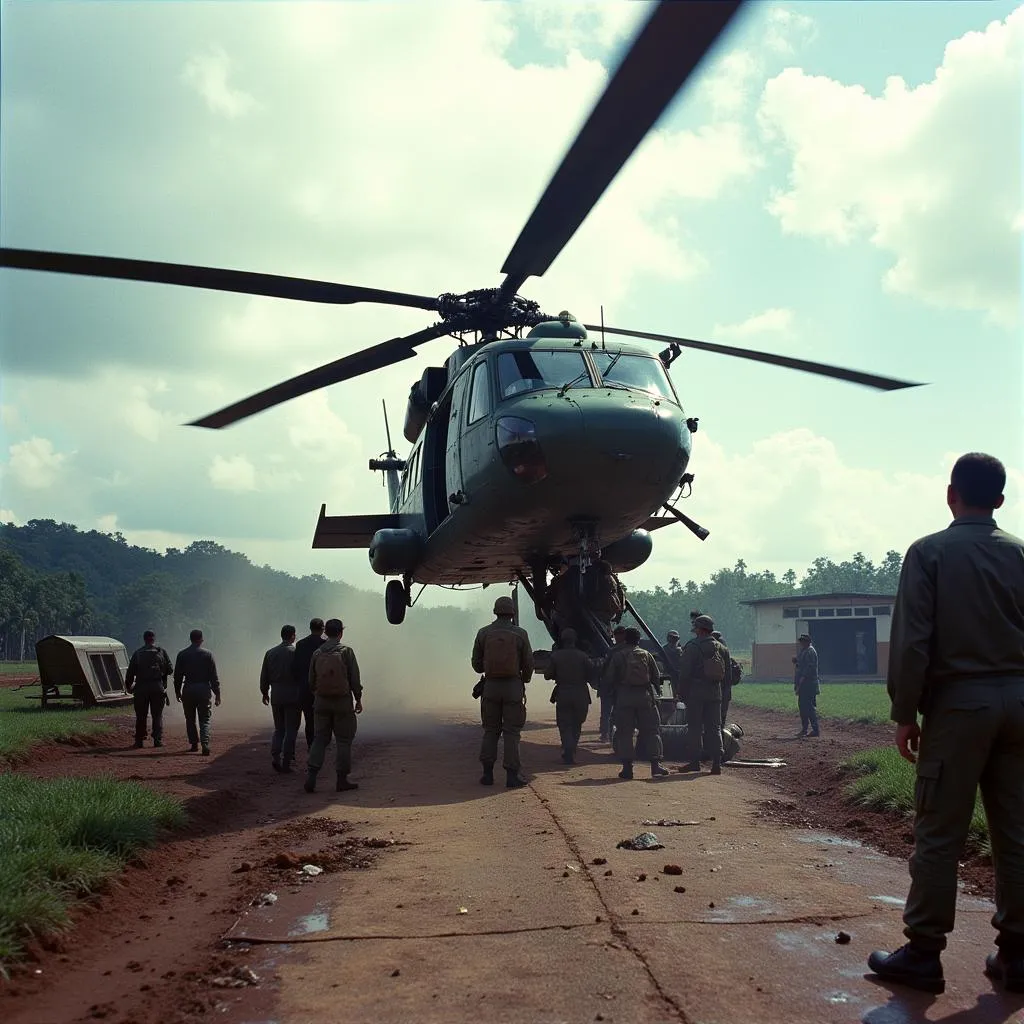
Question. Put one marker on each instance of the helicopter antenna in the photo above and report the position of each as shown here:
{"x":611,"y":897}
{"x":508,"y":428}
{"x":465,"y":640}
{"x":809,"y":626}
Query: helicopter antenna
{"x":387,"y":429}
{"x":602,"y":328}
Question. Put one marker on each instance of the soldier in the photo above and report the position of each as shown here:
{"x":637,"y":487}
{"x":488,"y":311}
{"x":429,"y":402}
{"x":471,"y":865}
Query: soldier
{"x":606,"y":693}
{"x":502,"y":654}
{"x":337,"y":699}
{"x":279,"y":690}
{"x":705,"y":663}
{"x":733,"y":674}
{"x":300,"y":672}
{"x":957,"y":655}
{"x":606,"y":598}
{"x":806,"y":686}
{"x":146,"y":681}
{"x":571,"y":670}
{"x":633,"y":674}
{"x":673,"y":655}
{"x":195,"y":682}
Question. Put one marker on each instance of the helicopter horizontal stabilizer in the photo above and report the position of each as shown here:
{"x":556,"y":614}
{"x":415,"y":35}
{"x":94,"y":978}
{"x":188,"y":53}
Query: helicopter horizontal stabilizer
{"x":350,"y":531}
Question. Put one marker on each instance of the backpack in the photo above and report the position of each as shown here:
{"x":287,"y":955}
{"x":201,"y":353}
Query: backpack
{"x":149,"y":665}
{"x":735,"y":672}
{"x":637,"y":671}
{"x":501,"y":654}
{"x":714,"y":664}
{"x":332,"y":673}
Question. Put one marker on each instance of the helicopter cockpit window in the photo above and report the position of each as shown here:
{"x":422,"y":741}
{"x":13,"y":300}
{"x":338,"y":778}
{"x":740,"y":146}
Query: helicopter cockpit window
{"x":641,"y":372}
{"x":480,"y":394}
{"x":531,"y":370}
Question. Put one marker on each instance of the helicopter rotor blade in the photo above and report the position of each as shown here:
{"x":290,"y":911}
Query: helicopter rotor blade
{"x":374,"y":358}
{"x":662,"y":57}
{"x":871,"y":380}
{"x":241,"y":281}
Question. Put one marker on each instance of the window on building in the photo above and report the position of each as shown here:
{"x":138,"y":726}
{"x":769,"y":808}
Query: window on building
{"x":808,"y":613}
{"x":791,"y":613}
{"x":826,"y":613}
{"x":480,"y":396}
{"x":881,"y":609}
{"x":844,"y":611}
{"x":861,"y":611}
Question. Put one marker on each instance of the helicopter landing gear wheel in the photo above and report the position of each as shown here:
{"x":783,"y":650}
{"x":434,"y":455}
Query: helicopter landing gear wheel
{"x":396,"y":600}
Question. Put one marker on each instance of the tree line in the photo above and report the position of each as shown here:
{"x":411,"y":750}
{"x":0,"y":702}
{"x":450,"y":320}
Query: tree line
{"x":55,"y":578}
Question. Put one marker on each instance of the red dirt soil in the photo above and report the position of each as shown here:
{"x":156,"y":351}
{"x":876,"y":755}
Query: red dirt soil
{"x":147,"y":949}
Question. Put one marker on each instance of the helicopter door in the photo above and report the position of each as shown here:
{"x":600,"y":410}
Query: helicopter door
{"x":475,"y":428}
{"x":452,"y":465}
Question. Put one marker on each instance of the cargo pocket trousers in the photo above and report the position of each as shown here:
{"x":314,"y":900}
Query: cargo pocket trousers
{"x":972,"y":736}
{"x":502,"y":713}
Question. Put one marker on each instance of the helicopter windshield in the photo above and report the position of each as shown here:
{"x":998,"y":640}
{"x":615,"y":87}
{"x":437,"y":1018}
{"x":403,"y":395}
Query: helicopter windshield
{"x":645,"y":373}
{"x":533,"y":370}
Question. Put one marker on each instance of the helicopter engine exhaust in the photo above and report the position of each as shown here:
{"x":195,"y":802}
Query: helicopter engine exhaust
{"x":629,"y":552}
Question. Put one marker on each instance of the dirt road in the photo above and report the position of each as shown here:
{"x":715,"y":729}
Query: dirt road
{"x":442,"y":900}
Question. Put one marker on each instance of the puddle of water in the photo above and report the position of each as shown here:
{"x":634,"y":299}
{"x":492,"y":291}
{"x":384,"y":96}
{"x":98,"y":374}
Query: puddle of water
{"x":318,"y":921}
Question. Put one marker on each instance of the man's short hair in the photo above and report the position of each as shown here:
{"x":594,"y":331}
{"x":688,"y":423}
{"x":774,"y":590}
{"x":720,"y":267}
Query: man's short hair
{"x":316,"y":625}
{"x":196,"y":636}
{"x":333,"y":627}
{"x":979,"y":479}
{"x":631,"y":635}
{"x":287,"y":631}
{"x":149,"y":635}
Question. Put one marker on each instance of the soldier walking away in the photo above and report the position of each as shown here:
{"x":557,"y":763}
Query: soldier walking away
{"x":337,"y":699}
{"x":605,"y":596}
{"x":195,"y":685}
{"x":502,"y":654}
{"x":146,"y":681}
{"x":605,"y":691}
{"x":635,"y":678}
{"x":806,"y":686}
{"x":281,"y":692}
{"x":674,"y":655}
{"x":300,"y":671}
{"x":571,"y":670}
{"x":957,"y":656}
{"x":705,"y":665}
{"x":733,"y":674}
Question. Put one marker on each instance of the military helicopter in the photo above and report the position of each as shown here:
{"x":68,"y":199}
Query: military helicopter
{"x":537,"y":441}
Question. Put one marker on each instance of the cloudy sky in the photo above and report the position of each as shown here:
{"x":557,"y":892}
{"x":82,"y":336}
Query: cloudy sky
{"x":840,"y":182}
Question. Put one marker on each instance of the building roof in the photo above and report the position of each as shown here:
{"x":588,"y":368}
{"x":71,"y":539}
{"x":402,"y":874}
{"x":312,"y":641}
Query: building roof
{"x":805,"y":598}
{"x":85,"y":641}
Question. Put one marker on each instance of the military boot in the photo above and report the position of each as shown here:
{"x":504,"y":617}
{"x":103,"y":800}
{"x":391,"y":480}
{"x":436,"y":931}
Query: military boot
{"x":513,"y":780}
{"x":911,"y":966}
{"x":286,"y":766}
{"x":310,"y":784}
{"x":487,"y":779}
{"x":1007,"y":969}
{"x":658,"y":769}
{"x":716,"y":767}
{"x":627,"y":770}
{"x":275,"y":764}
{"x":158,"y":743}
{"x":343,"y":784}
{"x":693,"y":766}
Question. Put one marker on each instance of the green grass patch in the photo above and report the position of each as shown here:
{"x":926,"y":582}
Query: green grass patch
{"x":859,"y":702}
{"x":18,"y":668}
{"x":24,"y":722}
{"x":62,"y":840}
{"x":886,"y":781}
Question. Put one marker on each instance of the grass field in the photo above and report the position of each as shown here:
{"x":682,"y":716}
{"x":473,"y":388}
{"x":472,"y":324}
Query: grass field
{"x":24,"y":722}
{"x":858,"y":702}
{"x":18,"y":668}
{"x":886,"y":783}
{"x":62,"y":840}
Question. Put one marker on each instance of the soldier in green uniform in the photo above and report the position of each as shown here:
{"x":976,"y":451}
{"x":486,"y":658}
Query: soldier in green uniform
{"x":571,"y":670}
{"x":705,"y":664}
{"x":956,"y":656}
{"x":195,"y":684}
{"x":337,"y":698}
{"x":503,"y":656}
{"x":806,"y":685}
{"x":633,"y":675}
{"x":280,"y":691}
{"x":146,"y":681}
{"x":605,"y":691}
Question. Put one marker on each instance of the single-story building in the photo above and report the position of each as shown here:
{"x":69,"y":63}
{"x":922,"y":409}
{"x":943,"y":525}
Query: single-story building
{"x":849,"y":631}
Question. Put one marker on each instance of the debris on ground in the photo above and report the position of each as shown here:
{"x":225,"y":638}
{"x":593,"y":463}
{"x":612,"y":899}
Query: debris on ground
{"x":246,"y":865}
{"x":287,"y":859}
{"x":666,"y":822}
{"x":266,"y":900}
{"x":680,"y":888}
{"x":463,"y":910}
{"x":644,"y":841}
{"x":641,"y":877}
{"x":671,"y":869}
{"x":312,"y":870}
{"x":599,"y":860}
{"x":843,"y":938}
{"x":240,"y":977}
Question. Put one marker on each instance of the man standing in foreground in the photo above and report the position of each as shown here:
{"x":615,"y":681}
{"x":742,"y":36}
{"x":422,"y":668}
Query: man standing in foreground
{"x":146,"y":681}
{"x":279,"y":690}
{"x":957,"y":655}
{"x":300,"y":671}
{"x":502,"y":654}
{"x":195,"y":682}
{"x":337,"y":699}
{"x":806,"y":685}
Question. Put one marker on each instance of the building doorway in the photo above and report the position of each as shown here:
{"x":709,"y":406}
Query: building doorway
{"x":846,"y":647}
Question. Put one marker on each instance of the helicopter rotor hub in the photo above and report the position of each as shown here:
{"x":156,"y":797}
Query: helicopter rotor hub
{"x":487,"y":311}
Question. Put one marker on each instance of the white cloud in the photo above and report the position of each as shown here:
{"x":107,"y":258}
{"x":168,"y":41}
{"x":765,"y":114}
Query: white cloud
{"x":930,"y":174}
{"x":236,"y":473}
{"x":771,"y":321}
{"x":208,"y":74}
{"x":7,"y":516}
{"x":34,"y":463}
{"x":786,"y":30}
{"x":139,"y":414}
